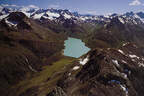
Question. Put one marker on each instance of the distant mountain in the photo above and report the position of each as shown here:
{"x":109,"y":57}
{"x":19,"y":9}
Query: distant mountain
{"x":54,"y":14}
{"x":7,"y":9}
{"x":77,"y":25}
{"x":74,"y":24}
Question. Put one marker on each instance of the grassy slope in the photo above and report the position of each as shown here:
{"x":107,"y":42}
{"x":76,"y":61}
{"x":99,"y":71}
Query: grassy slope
{"x":45,"y":80}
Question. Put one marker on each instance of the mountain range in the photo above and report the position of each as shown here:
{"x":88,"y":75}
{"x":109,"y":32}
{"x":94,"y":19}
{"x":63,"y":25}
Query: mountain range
{"x":56,"y":14}
{"x":32,"y":61}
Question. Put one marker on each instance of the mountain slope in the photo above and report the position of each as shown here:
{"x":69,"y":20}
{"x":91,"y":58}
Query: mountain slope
{"x":105,"y":72}
{"x":25,"y":47}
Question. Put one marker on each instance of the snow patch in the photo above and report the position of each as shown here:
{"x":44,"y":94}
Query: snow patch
{"x":142,"y":59}
{"x":76,"y":68}
{"x":38,"y":16}
{"x":69,"y":74}
{"x":51,"y":18}
{"x":82,"y":18}
{"x":67,"y":16}
{"x":134,"y":22}
{"x":141,"y":64}
{"x":3,"y":16}
{"x":116,"y":63}
{"x":84,"y":61}
{"x":121,"y":20}
{"x":124,"y":89}
{"x":106,"y":16}
{"x":50,"y":14}
{"x":11,"y":23}
{"x":27,"y":14}
{"x":121,"y":51}
{"x":133,"y":60}
{"x":134,"y":56}
{"x":125,"y":44}
{"x":124,"y":61}
{"x":124,"y":75}
{"x":122,"y":86}
{"x":136,"y":16}
{"x":30,"y":67}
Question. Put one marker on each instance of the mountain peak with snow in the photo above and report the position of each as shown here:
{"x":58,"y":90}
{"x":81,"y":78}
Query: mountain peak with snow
{"x":35,"y":12}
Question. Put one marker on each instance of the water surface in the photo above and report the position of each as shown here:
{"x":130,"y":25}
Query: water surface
{"x":75,"y":47}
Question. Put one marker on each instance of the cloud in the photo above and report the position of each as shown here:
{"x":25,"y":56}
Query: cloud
{"x":135,"y":3}
{"x":54,"y":6}
{"x":92,"y":12}
{"x":33,"y":6}
{"x":6,"y":5}
{"x":12,"y":5}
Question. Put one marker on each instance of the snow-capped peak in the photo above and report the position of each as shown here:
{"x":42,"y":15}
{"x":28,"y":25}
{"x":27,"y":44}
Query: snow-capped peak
{"x":52,"y":14}
{"x":35,"y":12}
{"x":121,"y":20}
{"x":67,"y":16}
{"x":11,"y":23}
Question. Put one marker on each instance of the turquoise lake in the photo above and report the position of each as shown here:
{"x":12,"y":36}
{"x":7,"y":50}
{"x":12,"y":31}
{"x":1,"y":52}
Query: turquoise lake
{"x":75,"y":47}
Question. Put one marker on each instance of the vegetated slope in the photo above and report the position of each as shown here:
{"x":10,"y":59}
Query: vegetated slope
{"x":43,"y":82}
{"x":25,"y":47}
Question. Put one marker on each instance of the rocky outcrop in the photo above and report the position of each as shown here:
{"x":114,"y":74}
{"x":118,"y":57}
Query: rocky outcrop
{"x":57,"y":92}
{"x":17,"y":20}
{"x":108,"y":72}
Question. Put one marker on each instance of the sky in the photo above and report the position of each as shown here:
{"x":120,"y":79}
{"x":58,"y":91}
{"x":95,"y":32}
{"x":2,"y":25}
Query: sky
{"x":96,"y":7}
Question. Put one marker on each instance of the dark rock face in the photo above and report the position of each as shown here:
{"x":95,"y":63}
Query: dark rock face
{"x":17,"y":16}
{"x":18,"y":20}
{"x":57,"y":92}
{"x":23,"y":25}
{"x":108,"y":72}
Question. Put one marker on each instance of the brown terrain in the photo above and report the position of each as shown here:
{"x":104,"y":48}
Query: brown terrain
{"x":32,"y":63}
{"x":108,"y":72}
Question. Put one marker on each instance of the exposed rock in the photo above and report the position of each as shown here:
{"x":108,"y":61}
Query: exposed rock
{"x":57,"y":92}
{"x":106,"y":74}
